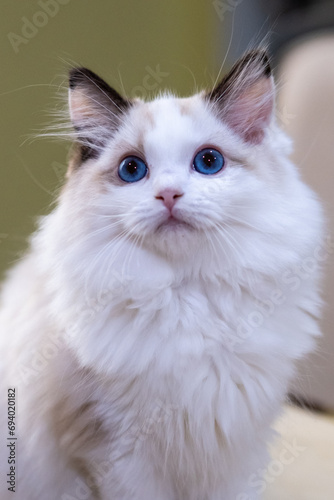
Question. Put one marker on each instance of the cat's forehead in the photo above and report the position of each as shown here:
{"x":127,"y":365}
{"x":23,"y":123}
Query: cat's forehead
{"x":169,"y":106}
{"x":170,"y":121}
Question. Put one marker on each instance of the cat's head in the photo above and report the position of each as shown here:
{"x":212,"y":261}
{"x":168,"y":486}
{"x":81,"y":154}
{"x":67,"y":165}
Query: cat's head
{"x":203,"y":178}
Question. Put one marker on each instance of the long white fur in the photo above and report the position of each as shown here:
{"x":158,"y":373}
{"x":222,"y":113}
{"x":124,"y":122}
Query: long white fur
{"x":155,"y":328}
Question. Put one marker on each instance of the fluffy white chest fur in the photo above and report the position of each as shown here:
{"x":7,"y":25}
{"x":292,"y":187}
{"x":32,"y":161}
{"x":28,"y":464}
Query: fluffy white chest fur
{"x":152,"y":329}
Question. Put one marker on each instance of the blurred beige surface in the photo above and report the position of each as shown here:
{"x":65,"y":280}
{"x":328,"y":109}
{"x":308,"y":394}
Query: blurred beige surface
{"x":302,"y":465}
{"x":306,"y":101}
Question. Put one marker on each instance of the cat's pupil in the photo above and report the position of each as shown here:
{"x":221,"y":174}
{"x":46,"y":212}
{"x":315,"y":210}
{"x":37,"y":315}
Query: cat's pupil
{"x":132,"y":167}
{"x":208,"y":159}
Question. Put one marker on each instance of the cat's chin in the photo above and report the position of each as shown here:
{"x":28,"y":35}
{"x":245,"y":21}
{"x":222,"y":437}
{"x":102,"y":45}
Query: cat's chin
{"x":173,"y":237}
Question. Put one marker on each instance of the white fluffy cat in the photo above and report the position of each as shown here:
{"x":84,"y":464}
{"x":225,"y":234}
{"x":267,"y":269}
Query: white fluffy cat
{"x":151,"y":331}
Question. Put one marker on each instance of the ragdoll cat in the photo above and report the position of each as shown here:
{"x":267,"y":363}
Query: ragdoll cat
{"x":150,"y":332}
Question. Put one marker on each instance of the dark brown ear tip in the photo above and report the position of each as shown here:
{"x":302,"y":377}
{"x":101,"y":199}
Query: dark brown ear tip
{"x":255,"y":58}
{"x":261,"y":57}
{"x":266,"y":64}
{"x":79,"y":75}
{"x":93,"y":83}
{"x":76,"y":76}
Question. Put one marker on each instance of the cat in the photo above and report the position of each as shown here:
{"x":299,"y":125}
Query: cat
{"x":150,"y":332}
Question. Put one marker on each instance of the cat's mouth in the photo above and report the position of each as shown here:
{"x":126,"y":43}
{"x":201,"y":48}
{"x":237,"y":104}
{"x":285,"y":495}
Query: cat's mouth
{"x":173,"y":223}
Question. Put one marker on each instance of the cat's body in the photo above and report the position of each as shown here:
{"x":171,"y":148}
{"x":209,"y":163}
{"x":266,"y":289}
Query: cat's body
{"x":151,"y":331}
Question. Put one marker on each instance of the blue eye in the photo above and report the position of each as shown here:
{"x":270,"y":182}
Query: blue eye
{"x":208,"y":161}
{"x":132,"y":169}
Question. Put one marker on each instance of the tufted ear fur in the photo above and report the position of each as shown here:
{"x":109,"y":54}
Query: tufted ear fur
{"x":245,"y":97}
{"x":96,"y":111}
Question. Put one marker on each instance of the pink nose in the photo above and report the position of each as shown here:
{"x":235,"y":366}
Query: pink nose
{"x":169,"y":197}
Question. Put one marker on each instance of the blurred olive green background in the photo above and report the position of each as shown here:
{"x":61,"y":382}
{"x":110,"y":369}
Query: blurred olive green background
{"x":139,"y":47}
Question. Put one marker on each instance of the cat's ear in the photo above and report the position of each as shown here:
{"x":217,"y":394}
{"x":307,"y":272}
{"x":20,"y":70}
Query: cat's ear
{"x":96,"y":110}
{"x":245,"y":97}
